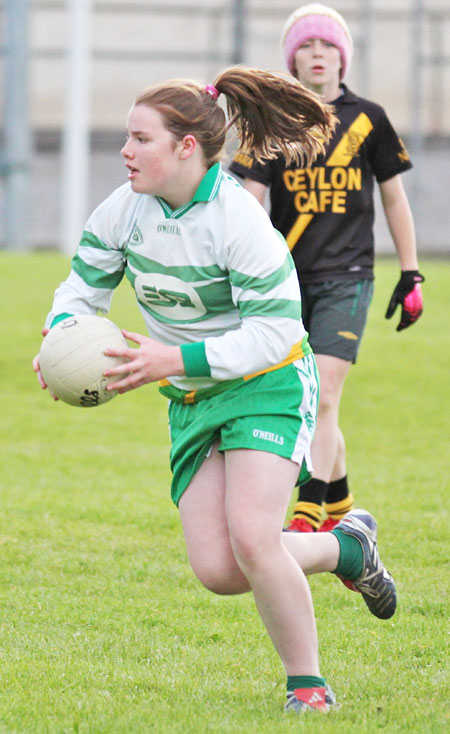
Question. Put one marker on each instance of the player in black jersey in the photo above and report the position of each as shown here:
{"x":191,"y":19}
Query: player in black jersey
{"x":326,"y":213}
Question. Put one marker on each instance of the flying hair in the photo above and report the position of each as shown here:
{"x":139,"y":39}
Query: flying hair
{"x":274,"y":113}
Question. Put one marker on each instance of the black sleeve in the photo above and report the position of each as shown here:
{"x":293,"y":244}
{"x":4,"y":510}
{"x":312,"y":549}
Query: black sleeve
{"x":246,"y":166}
{"x":388,"y":155}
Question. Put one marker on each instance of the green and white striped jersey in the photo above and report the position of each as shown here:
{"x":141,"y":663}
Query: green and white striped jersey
{"x":213,"y":276}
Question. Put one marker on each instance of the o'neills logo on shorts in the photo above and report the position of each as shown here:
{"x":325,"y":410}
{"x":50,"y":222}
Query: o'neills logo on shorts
{"x":268,"y":436}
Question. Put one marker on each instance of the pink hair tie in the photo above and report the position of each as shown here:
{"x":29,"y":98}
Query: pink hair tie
{"x":212,"y":91}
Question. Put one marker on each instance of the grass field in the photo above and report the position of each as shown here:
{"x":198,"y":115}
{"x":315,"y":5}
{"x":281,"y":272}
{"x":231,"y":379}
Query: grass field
{"x":104,"y":629}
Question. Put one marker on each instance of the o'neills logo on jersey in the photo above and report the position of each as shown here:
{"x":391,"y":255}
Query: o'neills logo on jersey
{"x":169,"y":228}
{"x":322,"y":189}
{"x":268,"y":436}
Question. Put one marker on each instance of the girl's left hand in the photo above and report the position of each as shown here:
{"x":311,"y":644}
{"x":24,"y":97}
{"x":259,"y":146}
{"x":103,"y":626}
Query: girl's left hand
{"x":150,"y":362}
{"x":37,"y":368}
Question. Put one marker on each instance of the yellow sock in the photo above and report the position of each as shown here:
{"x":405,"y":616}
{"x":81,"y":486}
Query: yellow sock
{"x":309,"y":511}
{"x":337,"y":510}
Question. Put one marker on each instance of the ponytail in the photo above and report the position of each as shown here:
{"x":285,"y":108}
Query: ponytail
{"x":274,"y":113}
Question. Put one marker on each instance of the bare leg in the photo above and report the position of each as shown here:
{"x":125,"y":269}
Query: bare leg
{"x":230,"y":556}
{"x":328,"y":447}
{"x":315,"y":553}
{"x":205,"y":527}
{"x":340,"y":467}
{"x":282,"y":595}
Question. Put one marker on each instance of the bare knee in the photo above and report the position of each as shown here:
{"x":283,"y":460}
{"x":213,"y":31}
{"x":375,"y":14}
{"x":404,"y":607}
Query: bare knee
{"x":251,"y":547}
{"x":220,"y":577}
{"x":326,"y":406}
{"x":333,"y":373}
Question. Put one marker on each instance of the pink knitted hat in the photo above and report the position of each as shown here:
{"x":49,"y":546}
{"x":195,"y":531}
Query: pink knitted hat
{"x":316,"y":21}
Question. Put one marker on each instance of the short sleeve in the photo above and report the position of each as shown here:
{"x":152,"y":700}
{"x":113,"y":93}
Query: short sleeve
{"x":245,"y":166}
{"x":388,"y":155}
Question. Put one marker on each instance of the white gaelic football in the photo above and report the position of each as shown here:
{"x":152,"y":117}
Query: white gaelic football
{"x":72,"y":361}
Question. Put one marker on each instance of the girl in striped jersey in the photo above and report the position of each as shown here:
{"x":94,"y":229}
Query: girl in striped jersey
{"x":218,"y":291}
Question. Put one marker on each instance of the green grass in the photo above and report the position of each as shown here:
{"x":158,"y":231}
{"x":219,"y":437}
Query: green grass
{"x":104,"y":629}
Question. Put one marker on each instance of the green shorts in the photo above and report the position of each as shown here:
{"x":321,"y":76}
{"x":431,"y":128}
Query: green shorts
{"x":335,"y":314}
{"x":274,"y":412}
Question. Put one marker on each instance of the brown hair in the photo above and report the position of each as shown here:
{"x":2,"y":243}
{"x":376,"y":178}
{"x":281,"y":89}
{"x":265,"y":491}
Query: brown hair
{"x":272,"y":112}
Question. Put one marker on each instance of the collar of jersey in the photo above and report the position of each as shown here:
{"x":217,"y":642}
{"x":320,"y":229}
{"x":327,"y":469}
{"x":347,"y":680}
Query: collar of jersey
{"x":206,"y":191}
{"x":346,"y":98}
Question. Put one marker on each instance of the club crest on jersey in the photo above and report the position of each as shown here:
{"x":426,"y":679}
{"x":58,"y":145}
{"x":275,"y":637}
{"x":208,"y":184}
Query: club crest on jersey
{"x":136,"y":237}
{"x":354,"y":141}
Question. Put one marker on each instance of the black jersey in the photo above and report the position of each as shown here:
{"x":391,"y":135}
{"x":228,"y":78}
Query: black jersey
{"x":326,"y":212}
